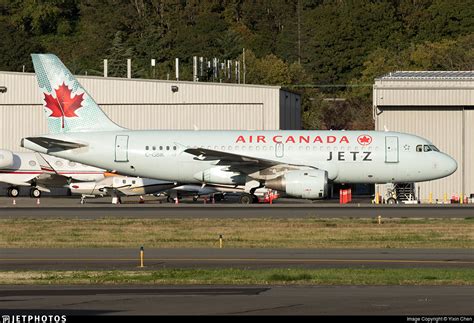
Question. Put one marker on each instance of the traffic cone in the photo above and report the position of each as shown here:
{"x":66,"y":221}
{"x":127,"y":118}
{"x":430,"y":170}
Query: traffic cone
{"x":205,"y":200}
{"x":176,"y":200}
{"x":14,"y":201}
{"x":141,"y":200}
{"x":38,"y":201}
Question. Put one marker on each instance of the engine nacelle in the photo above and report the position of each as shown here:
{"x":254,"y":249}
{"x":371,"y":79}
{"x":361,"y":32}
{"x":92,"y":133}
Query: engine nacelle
{"x":220,"y":175}
{"x":308,"y":184}
{"x":6,"y":158}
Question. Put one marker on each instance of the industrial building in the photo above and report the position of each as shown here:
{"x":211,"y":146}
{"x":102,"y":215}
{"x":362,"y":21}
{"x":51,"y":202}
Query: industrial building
{"x":153,"y":104}
{"x":438,"y":106}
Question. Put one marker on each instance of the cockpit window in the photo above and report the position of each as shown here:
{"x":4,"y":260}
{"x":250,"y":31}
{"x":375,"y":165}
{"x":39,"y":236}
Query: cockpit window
{"x":426,"y":148}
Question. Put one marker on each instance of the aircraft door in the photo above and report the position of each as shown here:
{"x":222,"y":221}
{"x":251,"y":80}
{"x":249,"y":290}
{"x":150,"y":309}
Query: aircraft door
{"x":391,"y":149}
{"x":121,"y":148}
{"x":279,"y":150}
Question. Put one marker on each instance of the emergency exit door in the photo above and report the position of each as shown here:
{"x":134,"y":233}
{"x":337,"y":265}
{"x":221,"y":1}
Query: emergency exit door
{"x":121,"y":148}
{"x":391,"y":149}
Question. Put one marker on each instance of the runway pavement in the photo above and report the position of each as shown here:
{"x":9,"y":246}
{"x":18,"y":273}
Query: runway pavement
{"x":128,"y":259}
{"x":224,"y":211}
{"x":257,"y":300}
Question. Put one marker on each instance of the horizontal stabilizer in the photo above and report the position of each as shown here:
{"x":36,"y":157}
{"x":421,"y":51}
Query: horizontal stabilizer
{"x":50,"y":143}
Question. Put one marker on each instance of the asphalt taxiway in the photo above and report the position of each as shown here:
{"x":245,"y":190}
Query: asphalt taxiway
{"x":236,"y":212}
{"x":101,"y":208}
{"x":128,"y":259}
{"x":238,"y":300}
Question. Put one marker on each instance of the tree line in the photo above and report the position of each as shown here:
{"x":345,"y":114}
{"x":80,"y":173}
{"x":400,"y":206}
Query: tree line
{"x":329,"y":51}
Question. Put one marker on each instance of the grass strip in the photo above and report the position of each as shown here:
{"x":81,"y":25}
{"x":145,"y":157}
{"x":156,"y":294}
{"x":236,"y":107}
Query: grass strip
{"x":237,"y":233}
{"x":229,"y":276}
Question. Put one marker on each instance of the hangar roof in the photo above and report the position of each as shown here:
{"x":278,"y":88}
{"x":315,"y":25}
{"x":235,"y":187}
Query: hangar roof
{"x":423,"y":75}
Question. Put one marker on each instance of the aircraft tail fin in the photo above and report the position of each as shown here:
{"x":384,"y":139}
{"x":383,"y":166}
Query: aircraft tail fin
{"x":67,"y":105}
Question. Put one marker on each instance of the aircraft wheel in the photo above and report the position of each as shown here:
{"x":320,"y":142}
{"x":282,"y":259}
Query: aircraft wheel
{"x":255,"y":199}
{"x":246,"y":199}
{"x":35,"y":193}
{"x":217,"y":197}
{"x":169,"y":199}
{"x":392,"y":200}
{"x":13,"y":192}
{"x":195,"y":198}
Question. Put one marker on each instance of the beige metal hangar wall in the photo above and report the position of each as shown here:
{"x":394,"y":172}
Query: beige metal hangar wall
{"x":438,"y":106}
{"x":154,"y":104}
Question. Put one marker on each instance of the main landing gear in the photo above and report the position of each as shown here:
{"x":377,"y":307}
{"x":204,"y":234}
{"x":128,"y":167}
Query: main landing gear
{"x":13,"y":192}
{"x":35,"y":193}
{"x":247,"y":198}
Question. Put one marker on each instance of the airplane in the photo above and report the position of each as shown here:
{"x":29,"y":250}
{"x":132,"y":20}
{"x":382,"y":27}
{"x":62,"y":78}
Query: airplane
{"x":298,"y":163}
{"x":41,"y":172}
{"x":118,"y":185}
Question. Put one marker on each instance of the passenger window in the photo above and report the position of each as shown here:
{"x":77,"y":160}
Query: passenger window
{"x":32,"y":163}
{"x":146,"y":147}
{"x":167,"y":147}
{"x":174,"y":147}
{"x":124,"y":181}
{"x":154,"y":147}
{"x":419,"y":148}
{"x":133,"y":182}
{"x":427,"y":148}
{"x":434,"y":148}
{"x":161,"y":147}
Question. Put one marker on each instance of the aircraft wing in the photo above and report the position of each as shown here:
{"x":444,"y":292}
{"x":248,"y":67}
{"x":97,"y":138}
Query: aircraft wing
{"x":45,"y":165}
{"x":255,"y":167}
{"x":229,"y":158}
{"x":15,"y":182}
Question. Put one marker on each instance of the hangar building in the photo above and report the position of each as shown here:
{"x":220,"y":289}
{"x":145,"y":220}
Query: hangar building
{"x":154,"y":104}
{"x":438,"y":106}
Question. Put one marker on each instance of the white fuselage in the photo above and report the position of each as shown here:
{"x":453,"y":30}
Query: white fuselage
{"x":347,"y":156}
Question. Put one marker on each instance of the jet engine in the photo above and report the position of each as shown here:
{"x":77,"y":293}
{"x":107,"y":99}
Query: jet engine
{"x":6,"y":158}
{"x":309,"y":184}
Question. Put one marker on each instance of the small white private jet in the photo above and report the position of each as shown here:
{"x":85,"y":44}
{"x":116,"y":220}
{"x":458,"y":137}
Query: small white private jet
{"x":41,"y":172}
{"x":118,"y":186}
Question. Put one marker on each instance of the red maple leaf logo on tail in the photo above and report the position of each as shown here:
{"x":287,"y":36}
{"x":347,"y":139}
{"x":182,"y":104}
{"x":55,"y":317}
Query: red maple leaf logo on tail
{"x":63,"y":105}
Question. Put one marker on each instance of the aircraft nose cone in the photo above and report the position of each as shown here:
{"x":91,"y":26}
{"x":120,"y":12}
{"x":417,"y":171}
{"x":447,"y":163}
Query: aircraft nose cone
{"x":450,"y":165}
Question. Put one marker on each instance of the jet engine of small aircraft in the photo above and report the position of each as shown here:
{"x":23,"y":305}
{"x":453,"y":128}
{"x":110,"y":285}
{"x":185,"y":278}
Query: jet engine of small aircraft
{"x":6,"y":158}
{"x":309,"y":184}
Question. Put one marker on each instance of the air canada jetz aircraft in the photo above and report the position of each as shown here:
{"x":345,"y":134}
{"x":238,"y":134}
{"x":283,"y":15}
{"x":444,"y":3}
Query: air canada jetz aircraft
{"x":298,"y":163}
